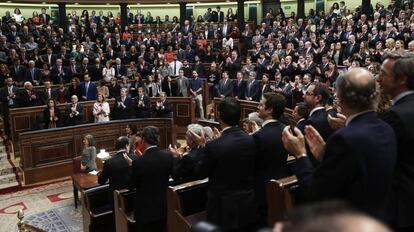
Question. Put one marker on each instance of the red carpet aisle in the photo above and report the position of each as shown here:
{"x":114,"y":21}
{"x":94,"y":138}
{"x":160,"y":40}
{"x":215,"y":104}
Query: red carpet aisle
{"x":50,"y":207}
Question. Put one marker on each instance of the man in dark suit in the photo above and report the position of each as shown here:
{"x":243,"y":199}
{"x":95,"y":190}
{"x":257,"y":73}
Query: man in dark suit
{"x":316,"y":97}
{"x":44,"y":17}
{"x":33,"y":74}
{"x":49,"y":58}
{"x":8,"y":98}
{"x":228,"y":162}
{"x":396,"y":79}
{"x":252,"y":92}
{"x":47,"y":93}
{"x":59,"y":73}
{"x":270,"y":156}
{"x":18,"y":72}
{"x":142,"y":104}
{"x":225,"y":86}
{"x":28,"y":97}
{"x":239,"y":87}
{"x":233,"y":65}
{"x":355,"y":157}
{"x":88,"y":88}
{"x":150,"y":176}
{"x":119,"y":69}
{"x":163,"y":107}
{"x":218,"y":16}
{"x":74,"y":112}
{"x":122,"y":106}
{"x":116,"y":169}
{"x":95,"y":70}
{"x":300,"y":114}
{"x":351,"y":48}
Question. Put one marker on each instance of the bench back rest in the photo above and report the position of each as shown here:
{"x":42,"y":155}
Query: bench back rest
{"x":280,"y":198}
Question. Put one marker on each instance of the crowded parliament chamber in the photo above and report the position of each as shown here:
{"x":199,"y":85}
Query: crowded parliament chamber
{"x":206,"y":116}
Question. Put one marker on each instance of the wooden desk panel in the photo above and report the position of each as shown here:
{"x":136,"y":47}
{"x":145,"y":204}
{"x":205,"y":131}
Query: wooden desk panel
{"x":47,"y":154}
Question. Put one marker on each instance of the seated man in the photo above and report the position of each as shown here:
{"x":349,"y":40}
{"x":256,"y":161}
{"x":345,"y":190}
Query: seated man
{"x":163,"y":107}
{"x":74,"y":112}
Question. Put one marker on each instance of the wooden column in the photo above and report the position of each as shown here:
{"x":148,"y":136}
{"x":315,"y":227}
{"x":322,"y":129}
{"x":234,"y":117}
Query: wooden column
{"x":124,"y":16}
{"x":240,"y":14}
{"x":63,"y":21}
{"x":301,"y":9}
{"x":183,"y":12}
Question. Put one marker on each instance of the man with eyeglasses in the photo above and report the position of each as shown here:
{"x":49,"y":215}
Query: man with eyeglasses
{"x":316,"y":97}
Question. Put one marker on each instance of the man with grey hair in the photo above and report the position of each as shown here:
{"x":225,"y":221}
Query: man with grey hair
{"x":150,"y":176}
{"x":186,"y":159}
{"x":122,"y":106}
{"x":27,"y":97}
{"x":355,"y":157}
{"x":252,"y":92}
{"x":397,"y":80}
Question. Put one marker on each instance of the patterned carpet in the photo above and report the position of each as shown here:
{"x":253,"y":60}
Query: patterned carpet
{"x":49,"y":207}
{"x":7,"y":175}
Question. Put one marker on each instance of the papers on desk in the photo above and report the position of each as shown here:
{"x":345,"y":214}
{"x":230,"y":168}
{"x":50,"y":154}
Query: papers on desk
{"x":94,"y":172}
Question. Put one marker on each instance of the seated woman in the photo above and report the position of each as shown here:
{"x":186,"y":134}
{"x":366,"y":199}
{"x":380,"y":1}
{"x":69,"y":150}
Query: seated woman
{"x":51,"y":115}
{"x":101,"y":109}
{"x":88,"y":159}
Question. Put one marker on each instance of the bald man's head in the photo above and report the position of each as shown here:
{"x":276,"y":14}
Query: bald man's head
{"x":357,"y":90}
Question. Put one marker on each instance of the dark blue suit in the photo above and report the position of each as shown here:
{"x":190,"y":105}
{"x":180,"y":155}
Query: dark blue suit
{"x":400,"y":117}
{"x":270,"y":160}
{"x":253,"y":90}
{"x":91,"y":93}
{"x":357,"y":167}
{"x":228,"y":162}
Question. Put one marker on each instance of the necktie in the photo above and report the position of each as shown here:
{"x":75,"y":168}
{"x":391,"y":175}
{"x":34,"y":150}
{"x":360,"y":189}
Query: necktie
{"x":86,"y":89}
{"x":48,"y":94}
{"x":32,"y":71}
{"x":175,"y":68}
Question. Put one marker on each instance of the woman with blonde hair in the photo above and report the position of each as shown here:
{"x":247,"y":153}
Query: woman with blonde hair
{"x":101,"y":109}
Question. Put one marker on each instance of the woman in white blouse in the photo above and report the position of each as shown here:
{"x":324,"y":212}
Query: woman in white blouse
{"x":108,"y":72}
{"x":17,"y":15}
{"x":101,"y":109}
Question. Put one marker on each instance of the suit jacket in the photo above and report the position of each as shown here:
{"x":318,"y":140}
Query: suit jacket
{"x":117,"y":171}
{"x":356,"y":157}
{"x":170,"y":90}
{"x":150,"y":176}
{"x":25,"y":99}
{"x":4,"y":96}
{"x":226,"y":88}
{"x":144,"y":110}
{"x":348,"y":52}
{"x":239,"y":89}
{"x":319,"y":120}
{"x":270,"y":160}
{"x":402,"y":203}
{"x":182,"y":86}
{"x":121,"y":71}
{"x":253,"y":90}
{"x":91,"y":94}
{"x":36,"y":75}
{"x":165,"y":110}
{"x":228,"y":162}
{"x":75,"y":119}
{"x":122,"y":112}
{"x":184,"y":168}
